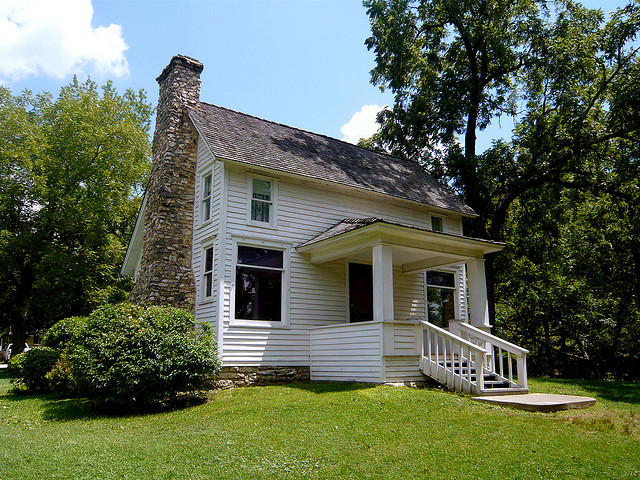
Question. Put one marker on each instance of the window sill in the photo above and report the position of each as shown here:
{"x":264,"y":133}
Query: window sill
{"x":257,"y":324}
{"x":267,"y":225}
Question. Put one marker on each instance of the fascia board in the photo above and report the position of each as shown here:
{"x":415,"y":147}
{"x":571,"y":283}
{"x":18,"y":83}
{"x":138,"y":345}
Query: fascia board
{"x":134,"y":249}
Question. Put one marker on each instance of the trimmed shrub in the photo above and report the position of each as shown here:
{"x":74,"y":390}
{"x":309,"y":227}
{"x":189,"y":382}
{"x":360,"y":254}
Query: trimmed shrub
{"x":134,"y":356}
{"x":29,"y":369}
{"x":61,"y":333}
{"x":61,"y":378}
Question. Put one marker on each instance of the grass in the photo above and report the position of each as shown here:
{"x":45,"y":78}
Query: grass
{"x":326,"y":431}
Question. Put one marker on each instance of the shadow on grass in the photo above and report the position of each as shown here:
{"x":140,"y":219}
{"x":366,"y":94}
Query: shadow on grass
{"x":612,"y":390}
{"x":329,"y":387}
{"x":60,"y":409}
{"x":69,"y":409}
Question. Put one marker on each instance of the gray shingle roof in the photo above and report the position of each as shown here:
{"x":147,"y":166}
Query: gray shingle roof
{"x":243,"y":138}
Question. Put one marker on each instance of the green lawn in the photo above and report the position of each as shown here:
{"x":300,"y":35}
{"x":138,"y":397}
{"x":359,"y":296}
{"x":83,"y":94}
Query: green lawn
{"x":326,"y":431}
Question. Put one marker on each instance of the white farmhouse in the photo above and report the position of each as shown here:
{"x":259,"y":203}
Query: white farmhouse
{"x":311,"y":257}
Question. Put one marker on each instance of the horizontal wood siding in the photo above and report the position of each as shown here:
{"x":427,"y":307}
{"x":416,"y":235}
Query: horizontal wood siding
{"x":403,"y":369}
{"x":204,"y":234}
{"x":350,"y":352}
{"x":408,"y":295}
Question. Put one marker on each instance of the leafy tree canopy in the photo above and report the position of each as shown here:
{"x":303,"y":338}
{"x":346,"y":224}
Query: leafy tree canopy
{"x":71,"y":173}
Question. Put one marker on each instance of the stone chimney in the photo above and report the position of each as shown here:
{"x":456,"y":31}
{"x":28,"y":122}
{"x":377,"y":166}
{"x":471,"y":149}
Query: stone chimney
{"x":165,"y":276}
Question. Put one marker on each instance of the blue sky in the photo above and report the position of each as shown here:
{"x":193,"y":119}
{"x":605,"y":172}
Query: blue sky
{"x":301,"y":63}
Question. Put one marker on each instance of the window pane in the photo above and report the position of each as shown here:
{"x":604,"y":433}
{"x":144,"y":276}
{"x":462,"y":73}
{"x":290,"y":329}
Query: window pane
{"x":441,"y":306}
{"x":258,"y":294}
{"x":208,"y":259}
{"x":260,"y":211}
{"x":260,"y":257}
{"x":261,"y":189}
{"x":207,"y":186}
{"x":441,"y":279}
{"x":206,"y":209}
{"x":208,"y":284}
{"x":436,"y":224}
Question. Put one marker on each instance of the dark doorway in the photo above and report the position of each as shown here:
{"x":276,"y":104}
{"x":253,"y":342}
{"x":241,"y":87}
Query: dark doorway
{"x":360,"y":292}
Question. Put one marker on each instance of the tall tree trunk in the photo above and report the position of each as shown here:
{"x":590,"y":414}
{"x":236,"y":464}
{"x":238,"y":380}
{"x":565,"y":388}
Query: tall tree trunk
{"x":20,"y":323}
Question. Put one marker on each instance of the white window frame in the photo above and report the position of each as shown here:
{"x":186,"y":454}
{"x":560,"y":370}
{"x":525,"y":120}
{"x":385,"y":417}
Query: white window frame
{"x":273,"y":212}
{"x":203,"y":273}
{"x":455,"y":288}
{"x":286,"y":282}
{"x":203,"y":199}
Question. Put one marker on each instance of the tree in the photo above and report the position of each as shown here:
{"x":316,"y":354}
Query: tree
{"x":570,"y":78}
{"x":71,"y":173}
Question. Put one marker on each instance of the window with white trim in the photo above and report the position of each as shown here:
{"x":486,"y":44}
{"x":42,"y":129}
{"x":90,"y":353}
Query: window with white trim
{"x":261,"y":201}
{"x":207,"y":186}
{"x":441,"y":297}
{"x":259,"y":284}
{"x":207,"y":273}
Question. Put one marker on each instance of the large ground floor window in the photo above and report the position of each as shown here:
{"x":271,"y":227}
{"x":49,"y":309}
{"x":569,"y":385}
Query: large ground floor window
{"x":259,"y":273}
{"x":441,"y":297}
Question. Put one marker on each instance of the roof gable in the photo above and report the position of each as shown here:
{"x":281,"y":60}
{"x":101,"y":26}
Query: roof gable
{"x":246,"y":139}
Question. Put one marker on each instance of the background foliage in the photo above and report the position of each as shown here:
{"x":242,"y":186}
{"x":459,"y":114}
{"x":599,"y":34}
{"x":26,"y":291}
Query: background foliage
{"x":71,"y":175}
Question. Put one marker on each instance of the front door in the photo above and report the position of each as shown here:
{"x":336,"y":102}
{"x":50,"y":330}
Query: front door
{"x":360,"y":292}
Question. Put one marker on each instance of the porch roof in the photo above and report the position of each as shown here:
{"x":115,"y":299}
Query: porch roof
{"x":415,"y":249}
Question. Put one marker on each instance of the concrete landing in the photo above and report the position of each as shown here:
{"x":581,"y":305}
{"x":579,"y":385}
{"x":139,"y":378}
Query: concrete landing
{"x":539,"y":402}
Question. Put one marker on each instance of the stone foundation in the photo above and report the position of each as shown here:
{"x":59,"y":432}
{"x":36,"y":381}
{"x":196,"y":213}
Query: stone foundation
{"x":246,"y":376}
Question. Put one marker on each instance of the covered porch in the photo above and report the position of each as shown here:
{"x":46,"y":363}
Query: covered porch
{"x":390,"y":349}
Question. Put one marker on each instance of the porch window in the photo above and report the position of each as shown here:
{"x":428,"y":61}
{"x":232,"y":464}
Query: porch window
{"x":441,"y":291}
{"x":207,"y":274}
{"x":206,"y":197}
{"x":261,"y":201}
{"x":258,"y":293}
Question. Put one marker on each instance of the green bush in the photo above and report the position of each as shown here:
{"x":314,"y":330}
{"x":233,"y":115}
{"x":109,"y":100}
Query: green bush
{"x":61,"y":334}
{"x":61,"y":378}
{"x":29,"y":369}
{"x":134,"y":356}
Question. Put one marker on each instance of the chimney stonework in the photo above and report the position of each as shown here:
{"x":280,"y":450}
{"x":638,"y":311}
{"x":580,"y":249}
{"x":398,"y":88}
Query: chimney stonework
{"x":165,"y":275}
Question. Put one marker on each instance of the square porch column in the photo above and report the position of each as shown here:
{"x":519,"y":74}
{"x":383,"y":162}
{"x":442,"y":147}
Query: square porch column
{"x":478,"y":303}
{"x":382,"y":283}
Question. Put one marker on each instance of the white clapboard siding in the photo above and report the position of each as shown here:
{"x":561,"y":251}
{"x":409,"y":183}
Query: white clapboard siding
{"x":348,"y":352}
{"x":317,"y":293}
{"x":204,"y":233}
{"x":403,"y":369}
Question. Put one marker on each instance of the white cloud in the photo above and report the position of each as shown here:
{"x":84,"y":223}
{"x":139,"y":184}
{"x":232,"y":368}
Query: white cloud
{"x":55,"y":38}
{"x":362,"y":125}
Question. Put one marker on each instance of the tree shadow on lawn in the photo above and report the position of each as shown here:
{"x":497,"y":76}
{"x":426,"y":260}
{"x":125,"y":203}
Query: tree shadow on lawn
{"x":615,"y":391}
{"x":61,"y":409}
{"x":329,"y":387}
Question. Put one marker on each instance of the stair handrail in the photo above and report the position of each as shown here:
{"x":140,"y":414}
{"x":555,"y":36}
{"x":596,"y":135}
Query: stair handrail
{"x":491,"y":342}
{"x":447,"y":375}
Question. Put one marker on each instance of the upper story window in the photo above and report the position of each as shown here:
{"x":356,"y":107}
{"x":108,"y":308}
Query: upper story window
{"x":259,"y":279}
{"x":207,"y":183}
{"x":437,"y":224}
{"x":262,"y":201}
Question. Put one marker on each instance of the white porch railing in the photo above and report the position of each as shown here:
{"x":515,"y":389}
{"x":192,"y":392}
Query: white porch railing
{"x":501,"y":354}
{"x":451,"y":360}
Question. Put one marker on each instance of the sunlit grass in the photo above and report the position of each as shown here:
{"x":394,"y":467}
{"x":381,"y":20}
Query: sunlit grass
{"x":326,"y":431}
